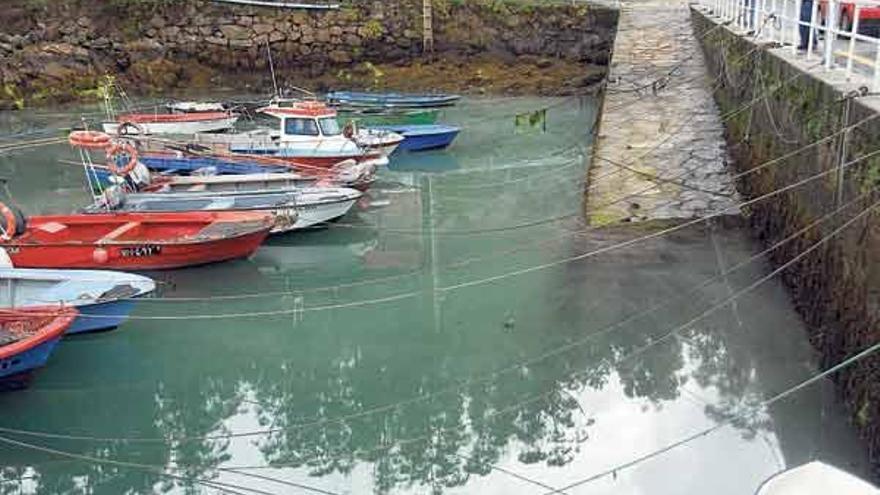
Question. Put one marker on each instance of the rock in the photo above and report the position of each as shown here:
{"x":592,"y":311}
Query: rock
{"x":239,"y":43}
{"x":322,"y":36}
{"x":335,"y":31}
{"x":157,"y":21}
{"x":340,"y":56}
{"x":84,"y":22}
{"x":5,"y":47}
{"x":100,"y":43}
{"x":66,"y":50}
{"x":170,"y":32}
{"x":260,"y":29}
{"x":234,"y":32}
{"x":277,"y":36}
{"x":214,"y":40}
{"x":352,"y":40}
{"x":55,"y":70}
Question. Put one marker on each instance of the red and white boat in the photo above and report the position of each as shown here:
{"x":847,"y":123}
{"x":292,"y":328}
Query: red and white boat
{"x":171,"y":123}
{"x":307,"y":132}
{"x":131,"y":241}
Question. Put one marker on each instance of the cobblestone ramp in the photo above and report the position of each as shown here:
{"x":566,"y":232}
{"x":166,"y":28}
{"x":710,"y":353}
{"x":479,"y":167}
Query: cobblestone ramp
{"x":660,"y":152}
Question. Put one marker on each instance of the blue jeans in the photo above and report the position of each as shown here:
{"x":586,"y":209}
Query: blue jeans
{"x":806,"y":13}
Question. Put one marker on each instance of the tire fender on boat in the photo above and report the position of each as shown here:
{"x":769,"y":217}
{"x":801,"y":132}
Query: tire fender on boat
{"x":122,"y":148}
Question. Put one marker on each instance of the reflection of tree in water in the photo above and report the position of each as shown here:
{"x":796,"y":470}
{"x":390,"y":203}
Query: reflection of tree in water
{"x":442,"y":439}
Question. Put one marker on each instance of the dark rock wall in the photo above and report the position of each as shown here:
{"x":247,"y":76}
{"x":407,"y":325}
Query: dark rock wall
{"x":50,"y":49}
{"x":835,"y":289}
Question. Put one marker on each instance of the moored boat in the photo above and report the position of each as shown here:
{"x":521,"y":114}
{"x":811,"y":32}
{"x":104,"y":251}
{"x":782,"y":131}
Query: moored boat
{"x":27,"y":338}
{"x":293,"y":207}
{"x":103,"y":298}
{"x":135,"y":241}
{"x":171,"y":123}
{"x":356,"y":99}
{"x":308,"y":132}
{"x":381,"y":116}
{"x":423,"y":137}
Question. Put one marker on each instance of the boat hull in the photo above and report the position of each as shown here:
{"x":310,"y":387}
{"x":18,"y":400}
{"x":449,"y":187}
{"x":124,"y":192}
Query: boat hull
{"x":180,"y":127}
{"x":101,"y":316}
{"x":424,"y":138}
{"x":353,"y":99}
{"x":19,"y":366}
{"x":103,"y":298}
{"x":312,"y":215}
{"x":144,"y":256}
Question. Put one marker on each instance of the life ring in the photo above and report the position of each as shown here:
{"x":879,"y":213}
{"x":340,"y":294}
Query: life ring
{"x":12,"y":222}
{"x":89,"y":139}
{"x":118,"y":149}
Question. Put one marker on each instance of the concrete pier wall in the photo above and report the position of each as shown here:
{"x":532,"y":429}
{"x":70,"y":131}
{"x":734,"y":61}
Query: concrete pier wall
{"x":835,"y":289}
{"x":660,"y":151}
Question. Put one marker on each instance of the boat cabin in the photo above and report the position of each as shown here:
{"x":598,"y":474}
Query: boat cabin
{"x":305,"y":121}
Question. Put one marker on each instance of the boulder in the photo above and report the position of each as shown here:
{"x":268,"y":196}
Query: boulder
{"x":340,"y":57}
{"x":263,"y":28}
{"x":235,"y":32}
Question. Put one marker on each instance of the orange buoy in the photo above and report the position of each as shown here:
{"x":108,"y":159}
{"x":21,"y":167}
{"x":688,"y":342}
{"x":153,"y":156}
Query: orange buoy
{"x":122,"y":149}
{"x":89,"y":139}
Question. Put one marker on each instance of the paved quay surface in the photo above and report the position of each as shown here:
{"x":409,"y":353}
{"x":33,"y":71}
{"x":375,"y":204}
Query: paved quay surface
{"x":660,"y":151}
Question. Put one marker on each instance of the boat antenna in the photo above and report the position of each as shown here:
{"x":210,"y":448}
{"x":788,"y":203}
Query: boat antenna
{"x":272,"y":70}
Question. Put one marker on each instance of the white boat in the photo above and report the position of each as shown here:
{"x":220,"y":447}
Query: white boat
{"x":171,"y":123}
{"x":308,"y":132}
{"x":816,"y":478}
{"x":195,"y":106}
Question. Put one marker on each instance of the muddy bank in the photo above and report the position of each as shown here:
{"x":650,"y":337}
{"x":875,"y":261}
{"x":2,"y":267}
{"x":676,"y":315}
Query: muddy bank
{"x":58,"y":51}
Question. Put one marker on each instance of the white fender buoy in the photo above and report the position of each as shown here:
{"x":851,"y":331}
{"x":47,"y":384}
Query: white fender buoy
{"x":816,"y":478}
{"x":5,"y":260}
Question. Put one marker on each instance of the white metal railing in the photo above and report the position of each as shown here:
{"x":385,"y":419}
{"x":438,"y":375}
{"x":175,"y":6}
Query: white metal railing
{"x":842,"y":35}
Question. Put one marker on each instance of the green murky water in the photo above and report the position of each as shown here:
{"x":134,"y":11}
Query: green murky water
{"x":434,"y":341}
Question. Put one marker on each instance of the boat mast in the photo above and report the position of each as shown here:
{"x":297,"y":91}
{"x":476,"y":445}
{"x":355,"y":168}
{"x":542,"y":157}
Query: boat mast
{"x":272,"y":70}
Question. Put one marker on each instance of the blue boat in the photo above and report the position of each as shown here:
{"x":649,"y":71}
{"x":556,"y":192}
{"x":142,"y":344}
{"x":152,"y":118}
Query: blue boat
{"x":104,"y":299}
{"x":186,"y":165}
{"x":354,"y":99}
{"x":27,"y":338}
{"x":423,"y":137}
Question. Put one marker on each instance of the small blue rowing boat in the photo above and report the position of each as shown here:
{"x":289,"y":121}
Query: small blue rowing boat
{"x":186,"y":165}
{"x":354,"y":99}
{"x":423,"y":137}
{"x":104,"y":298}
{"x":27,"y":338}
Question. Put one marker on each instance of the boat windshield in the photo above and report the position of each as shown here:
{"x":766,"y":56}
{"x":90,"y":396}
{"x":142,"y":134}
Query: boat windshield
{"x":300,"y":127}
{"x":330,"y":126}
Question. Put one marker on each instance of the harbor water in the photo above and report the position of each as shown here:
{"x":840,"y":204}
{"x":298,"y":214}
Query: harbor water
{"x":461,"y":331}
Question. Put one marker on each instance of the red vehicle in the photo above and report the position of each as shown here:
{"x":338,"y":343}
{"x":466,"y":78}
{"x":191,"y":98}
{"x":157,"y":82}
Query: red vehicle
{"x":869,"y":16}
{"x":132,"y":241}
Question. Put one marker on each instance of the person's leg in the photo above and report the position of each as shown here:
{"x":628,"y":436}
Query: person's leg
{"x":804,"y":29}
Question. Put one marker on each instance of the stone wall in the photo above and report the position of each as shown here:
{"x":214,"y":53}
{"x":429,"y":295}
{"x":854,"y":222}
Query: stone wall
{"x":836,"y":288}
{"x":50,"y":48}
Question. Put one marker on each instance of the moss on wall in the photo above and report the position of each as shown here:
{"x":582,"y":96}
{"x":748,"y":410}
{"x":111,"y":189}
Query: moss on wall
{"x":834,"y":288}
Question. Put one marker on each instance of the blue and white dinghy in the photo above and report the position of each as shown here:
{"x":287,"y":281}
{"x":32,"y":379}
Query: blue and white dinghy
{"x":104,"y":299}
